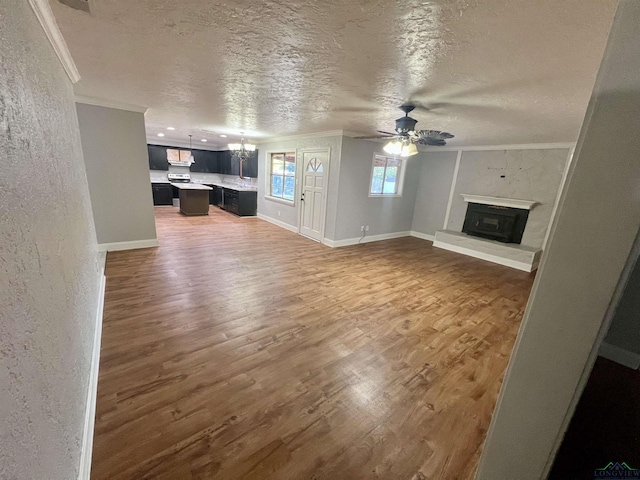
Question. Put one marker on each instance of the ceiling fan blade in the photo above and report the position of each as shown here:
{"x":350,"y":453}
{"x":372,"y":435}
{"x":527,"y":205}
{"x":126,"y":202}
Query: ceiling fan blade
{"x":387,"y":133}
{"x":432,"y":142}
{"x":373,"y":137}
{"x":437,"y":134}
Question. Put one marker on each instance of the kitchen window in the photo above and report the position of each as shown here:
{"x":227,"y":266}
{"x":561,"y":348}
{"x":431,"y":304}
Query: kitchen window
{"x":387,"y":176}
{"x":282,"y":175}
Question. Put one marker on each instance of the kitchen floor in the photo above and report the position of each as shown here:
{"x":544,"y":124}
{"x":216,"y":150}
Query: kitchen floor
{"x":238,"y":349}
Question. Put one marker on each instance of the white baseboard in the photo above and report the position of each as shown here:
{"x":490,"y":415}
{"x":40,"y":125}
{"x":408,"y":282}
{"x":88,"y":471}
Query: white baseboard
{"x":117,"y":246}
{"x":423,"y":236}
{"x":619,"y":355}
{"x":279,"y":223}
{"x":487,"y":256}
{"x":84,"y":471}
{"x":372,"y":238}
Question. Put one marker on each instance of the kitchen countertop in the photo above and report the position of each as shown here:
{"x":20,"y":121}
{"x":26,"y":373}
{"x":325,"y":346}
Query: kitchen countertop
{"x":230,"y":186}
{"x":190,"y":186}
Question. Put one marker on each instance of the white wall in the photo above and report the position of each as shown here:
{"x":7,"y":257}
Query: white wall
{"x":289,"y":214}
{"x":590,"y":241}
{"x":432,"y":196}
{"x":115,"y":153}
{"x":355,"y":208}
{"x":49,"y":274}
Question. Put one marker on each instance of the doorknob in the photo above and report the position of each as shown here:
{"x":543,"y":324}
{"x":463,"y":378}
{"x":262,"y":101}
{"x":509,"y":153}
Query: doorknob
{"x":302,"y":197}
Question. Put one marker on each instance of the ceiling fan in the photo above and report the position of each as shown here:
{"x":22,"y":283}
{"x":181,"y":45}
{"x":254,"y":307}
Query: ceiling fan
{"x":406,"y":135}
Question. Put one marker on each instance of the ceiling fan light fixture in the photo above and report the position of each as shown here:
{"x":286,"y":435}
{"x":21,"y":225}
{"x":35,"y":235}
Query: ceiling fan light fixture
{"x":409,"y":150}
{"x":394,"y":147}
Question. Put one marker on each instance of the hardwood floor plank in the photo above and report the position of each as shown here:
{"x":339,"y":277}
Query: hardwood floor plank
{"x":240,"y":350}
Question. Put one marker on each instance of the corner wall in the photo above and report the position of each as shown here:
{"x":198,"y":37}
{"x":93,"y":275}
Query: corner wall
{"x":523,"y":173}
{"x":622,"y":343}
{"x":115,"y":154}
{"x":384,"y":215}
{"x":287,"y":215}
{"x":49,"y":271}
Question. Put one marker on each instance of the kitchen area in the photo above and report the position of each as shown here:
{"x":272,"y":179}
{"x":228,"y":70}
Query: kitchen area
{"x":195,"y":180}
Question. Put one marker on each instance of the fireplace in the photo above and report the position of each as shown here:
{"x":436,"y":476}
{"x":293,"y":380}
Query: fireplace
{"x":495,"y":222}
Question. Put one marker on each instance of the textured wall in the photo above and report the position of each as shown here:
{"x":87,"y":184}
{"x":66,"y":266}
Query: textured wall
{"x":48,"y":258}
{"x":289,"y":214}
{"x":528,"y":175}
{"x":434,"y":186}
{"x":114,"y":143}
{"x":356,"y":207}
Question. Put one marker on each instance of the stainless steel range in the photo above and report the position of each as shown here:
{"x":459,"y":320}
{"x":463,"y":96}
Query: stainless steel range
{"x":179,"y":177}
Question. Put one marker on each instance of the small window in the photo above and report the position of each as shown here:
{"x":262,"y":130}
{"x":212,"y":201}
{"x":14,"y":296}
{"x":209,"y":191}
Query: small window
{"x":386,"y":176}
{"x":282,"y":180}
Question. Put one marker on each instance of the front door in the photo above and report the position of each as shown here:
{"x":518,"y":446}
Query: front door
{"x":315,"y":165}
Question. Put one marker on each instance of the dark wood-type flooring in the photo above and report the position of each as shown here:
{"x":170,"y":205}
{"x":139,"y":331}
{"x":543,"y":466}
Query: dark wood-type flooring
{"x":240,"y":350}
{"x":605,"y":426}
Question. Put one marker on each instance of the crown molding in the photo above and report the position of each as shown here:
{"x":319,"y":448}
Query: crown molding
{"x":48,"y":22}
{"x":521,"y":146}
{"x":103,"y":102}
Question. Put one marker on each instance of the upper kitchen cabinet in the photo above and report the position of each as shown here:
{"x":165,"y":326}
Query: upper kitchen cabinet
{"x":205,"y":161}
{"x":225,"y":161}
{"x":157,"y":157}
{"x":250,"y":167}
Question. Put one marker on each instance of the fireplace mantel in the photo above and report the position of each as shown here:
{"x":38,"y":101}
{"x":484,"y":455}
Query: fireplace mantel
{"x":499,"y":201}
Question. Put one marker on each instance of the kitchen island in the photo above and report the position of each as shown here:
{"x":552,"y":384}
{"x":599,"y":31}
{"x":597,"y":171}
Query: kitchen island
{"x":194,"y":198}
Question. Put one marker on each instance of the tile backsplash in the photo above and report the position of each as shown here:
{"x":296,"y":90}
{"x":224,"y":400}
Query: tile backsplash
{"x":196,"y":177}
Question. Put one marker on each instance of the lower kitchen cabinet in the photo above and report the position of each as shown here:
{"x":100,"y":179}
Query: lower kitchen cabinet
{"x":162,"y":194}
{"x":241,"y":203}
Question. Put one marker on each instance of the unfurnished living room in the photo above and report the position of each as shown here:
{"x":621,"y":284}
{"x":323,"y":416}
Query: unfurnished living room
{"x":340,"y":240}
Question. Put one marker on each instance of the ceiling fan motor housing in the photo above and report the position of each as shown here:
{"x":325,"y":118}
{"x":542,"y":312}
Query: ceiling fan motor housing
{"x":405,"y":125}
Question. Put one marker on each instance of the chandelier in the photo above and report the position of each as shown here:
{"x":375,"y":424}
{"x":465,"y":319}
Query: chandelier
{"x":242,"y":151}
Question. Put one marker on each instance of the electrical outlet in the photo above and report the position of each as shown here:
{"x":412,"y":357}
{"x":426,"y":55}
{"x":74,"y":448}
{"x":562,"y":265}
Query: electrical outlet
{"x":278,"y":212}
{"x":362,"y":228}
{"x":366,"y":228}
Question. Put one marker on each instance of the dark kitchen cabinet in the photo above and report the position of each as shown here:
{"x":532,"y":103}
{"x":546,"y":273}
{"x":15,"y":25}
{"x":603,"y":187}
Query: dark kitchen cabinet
{"x":250,"y":166}
{"x":241,"y":203}
{"x":157,"y":157}
{"x":215,"y":196}
{"x":205,"y":161}
{"x":162,"y":194}
{"x":224,"y":162}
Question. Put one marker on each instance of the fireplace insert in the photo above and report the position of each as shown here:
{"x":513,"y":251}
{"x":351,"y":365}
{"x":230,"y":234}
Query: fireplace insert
{"x":503,"y":224}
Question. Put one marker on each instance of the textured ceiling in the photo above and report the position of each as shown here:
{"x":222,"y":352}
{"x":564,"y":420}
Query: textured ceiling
{"x":490,"y":72}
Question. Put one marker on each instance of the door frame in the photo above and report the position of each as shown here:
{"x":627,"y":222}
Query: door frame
{"x":300,"y":153}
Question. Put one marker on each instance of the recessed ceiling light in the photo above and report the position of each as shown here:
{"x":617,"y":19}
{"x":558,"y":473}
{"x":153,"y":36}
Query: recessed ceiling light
{"x":170,"y":128}
{"x":203,"y":140}
{"x":223,"y":136}
{"x":161,"y":134}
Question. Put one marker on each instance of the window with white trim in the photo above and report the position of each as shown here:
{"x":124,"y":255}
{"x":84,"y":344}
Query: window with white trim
{"x":387,"y":176}
{"x":282,"y":175}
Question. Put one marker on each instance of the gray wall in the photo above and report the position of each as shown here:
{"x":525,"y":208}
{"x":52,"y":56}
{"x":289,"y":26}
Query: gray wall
{"x":432,"y":196}
{"x":115,"y":153}
{"x":580,"y":270}
{"x":356,"y":208}
{"x":49,"y":275}
{"x":624,"y":331}
{"x":289,"y":214}
{"x":529,"y":175}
